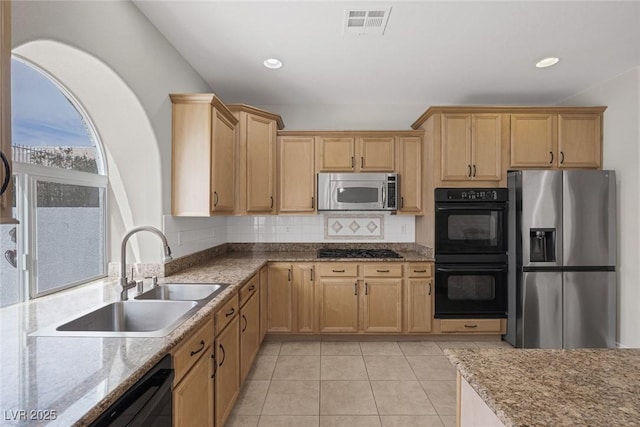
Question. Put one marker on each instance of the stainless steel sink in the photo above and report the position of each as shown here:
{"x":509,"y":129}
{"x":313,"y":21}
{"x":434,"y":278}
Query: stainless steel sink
{"x":127,"y":319}
{"x":183,"y":291}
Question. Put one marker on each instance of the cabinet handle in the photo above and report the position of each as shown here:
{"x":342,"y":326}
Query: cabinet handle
{"x":419,"y":271}
{"x":474,"y":171}
{"x":252,"y":287}
{"x":366,"y":288}
{"x":7,"y":173}
{"x":271,"y":197}
{"x":355,"y":288}
{"x":338,"y":271}
{"x":215,"y":365}
{"x":361,"y":162}
{"x":352,"y":164}
{"x":469,"y":174}
{"x":230,"y":313}
{"x":288,"y":274}
{"x":194,"y":352}
{"x":311,"y":274}
{"x":401,"y":202}
{"x":551,"y":161}
{"x":313,"y":202}
{"x":561,"y":157}
{"x":470,"y":326}
{"x":429,"y":289}
{"x":215,"y":199}
{"x":382,"y":271}
{"x":224,"y":355}
{"x":244,"y":328}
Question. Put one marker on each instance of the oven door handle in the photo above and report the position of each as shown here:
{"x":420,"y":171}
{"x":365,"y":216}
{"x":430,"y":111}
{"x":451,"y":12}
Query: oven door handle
{"x":500,"y":206}
{"x":471,"y":268}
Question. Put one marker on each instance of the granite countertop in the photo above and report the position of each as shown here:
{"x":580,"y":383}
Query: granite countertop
{"x":79,"y":377}
{"x":581,"y":387}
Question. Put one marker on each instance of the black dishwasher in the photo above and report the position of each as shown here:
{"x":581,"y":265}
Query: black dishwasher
{"x":147,"y":403}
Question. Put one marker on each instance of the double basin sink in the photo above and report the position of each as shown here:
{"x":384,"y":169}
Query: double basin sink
{"x":154,"y":313}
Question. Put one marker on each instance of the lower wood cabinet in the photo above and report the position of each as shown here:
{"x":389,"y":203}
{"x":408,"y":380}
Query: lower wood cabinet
{"x":193,"y":388}
{"x":337,"y":299}
{"x":264,"y":301}
{"x":249,"y":334}
{"x":305,"y":309}
{"x":280,"y":298}
{"x":419,"y":297}
{"x":227,"y":372}
{"x":382,"y":305}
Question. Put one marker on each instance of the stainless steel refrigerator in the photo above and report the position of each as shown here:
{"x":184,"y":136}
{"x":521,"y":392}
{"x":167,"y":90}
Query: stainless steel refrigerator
{"x":562,"y":259}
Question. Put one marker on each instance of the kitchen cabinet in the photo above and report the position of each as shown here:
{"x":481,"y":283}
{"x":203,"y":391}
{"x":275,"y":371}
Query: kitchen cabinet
{"x":556,"y":140}
{"x":193,"y":387}
{"x":280,"y":298}
{"x":371,"y":303}
{"x":227,"y":360}
{"x":419,"y":297}
{"x":264,"y":301}
{"x":202,"y":156}
{"x":249,"y":325}
{"x":255,"y":139}
{"x":471,"y":326}
{"x":409,"y":167}
{"x":470,"y":147}
{"x":355,"y":153}
{"x":296,"y":175}
{"x":304,"y":288}
{"x":5,"y":114}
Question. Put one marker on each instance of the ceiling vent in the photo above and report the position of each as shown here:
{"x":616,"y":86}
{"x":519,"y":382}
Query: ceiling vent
{"x":366,"y":21}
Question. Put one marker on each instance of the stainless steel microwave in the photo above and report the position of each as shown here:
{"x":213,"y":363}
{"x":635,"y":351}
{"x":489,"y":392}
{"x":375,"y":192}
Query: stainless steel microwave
{"x":365,"y":191}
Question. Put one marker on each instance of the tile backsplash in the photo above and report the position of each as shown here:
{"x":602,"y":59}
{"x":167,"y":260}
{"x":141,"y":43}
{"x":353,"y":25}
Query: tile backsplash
{"x":190,"y":235}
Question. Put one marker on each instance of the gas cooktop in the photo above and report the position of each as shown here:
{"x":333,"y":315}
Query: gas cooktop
{"x":357,"y":253}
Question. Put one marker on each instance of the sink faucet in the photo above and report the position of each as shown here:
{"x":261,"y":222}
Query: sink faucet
{"x":124,"y":282}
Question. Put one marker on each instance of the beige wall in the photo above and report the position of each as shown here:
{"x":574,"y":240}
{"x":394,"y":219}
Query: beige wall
{"x":622,"y":154}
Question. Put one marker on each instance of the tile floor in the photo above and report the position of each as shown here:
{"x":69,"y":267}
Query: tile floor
{"x":351,"y":384}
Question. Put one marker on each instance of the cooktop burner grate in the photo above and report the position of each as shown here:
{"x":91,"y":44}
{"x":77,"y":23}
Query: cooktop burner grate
{"x":357,"y":253}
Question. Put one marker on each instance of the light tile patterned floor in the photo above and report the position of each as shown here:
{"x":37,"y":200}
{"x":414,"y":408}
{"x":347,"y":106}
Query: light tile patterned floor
{"x":351,"y":384}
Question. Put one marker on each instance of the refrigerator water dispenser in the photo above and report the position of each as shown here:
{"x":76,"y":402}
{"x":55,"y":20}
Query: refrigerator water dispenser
{"x":542,"y":244}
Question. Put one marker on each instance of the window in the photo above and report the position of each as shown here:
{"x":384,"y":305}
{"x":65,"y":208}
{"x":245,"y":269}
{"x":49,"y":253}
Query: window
{"x":60,"y":185}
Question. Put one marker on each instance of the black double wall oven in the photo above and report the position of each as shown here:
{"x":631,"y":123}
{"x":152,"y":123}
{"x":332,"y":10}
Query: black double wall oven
{"x":471,"y":252}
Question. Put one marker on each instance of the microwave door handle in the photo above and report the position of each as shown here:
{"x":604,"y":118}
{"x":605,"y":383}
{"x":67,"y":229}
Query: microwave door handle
{"x":384,"y":197}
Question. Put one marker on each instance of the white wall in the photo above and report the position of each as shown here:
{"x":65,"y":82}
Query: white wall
{"x":621,"y":153}
{"x":117,"y":37}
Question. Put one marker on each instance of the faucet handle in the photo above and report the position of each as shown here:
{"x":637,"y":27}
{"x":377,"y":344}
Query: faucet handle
{"x":140,"y":286}
{"x":154,"y":280}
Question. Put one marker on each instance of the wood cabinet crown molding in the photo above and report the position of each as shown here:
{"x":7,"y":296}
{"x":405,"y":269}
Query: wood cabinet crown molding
{"x":258,"y":112}
{"x":351,"y":133}
{"x":204,"y":98}
{"x":516,"y":109}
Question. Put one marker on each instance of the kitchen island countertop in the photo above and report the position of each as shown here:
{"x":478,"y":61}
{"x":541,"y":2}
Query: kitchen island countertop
{"x":536,"y":387}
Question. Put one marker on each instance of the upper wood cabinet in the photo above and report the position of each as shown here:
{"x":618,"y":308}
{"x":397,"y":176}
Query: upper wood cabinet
{"x":409,"y":168}
{"x":5,"y":114}
{"x":202,"y":156}
{"x":296,"y":174}
{"x":256,"y":160}
{"x":565,"y":139}
{"x":355,"y":153}
{"x":470,"y":147}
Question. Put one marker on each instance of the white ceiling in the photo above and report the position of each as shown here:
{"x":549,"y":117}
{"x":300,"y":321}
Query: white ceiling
{"x":432,"y":53}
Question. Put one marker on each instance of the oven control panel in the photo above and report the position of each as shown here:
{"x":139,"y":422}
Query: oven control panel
{"x":471,"y":194}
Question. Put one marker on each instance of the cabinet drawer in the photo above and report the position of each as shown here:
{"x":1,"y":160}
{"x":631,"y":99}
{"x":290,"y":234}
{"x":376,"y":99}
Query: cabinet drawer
{"x":419,"y":270}
{"x":382,"y":270}
{"x":227,"y":313}
{"x":249,"y":289}
{"x":191,"y":349}
{"x":334,"y":269}
{"x":470,"y":325}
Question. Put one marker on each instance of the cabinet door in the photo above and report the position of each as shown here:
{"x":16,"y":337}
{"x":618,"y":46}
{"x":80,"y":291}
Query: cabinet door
{"x":418,"y":305}
{"x":382,"y":305}
{"x":338,"y":304}
{"x":227,"y":375}
{"x":410,"y":170}
{"x":193,"y":396}
{"x":486,"y":145}
{"x":280,"y":298}
{"x":376,"y":154}
{"x":222,"y":165}
{"x":264,"y":301}
{"x":297,"y":176}
{"x":455,"y":147}
{"x":249,"y":334}
{"x":580,"y":140}
{"x":261,"y":147}
{"x":335,"y":154}
{"x":533,"y":141}
{"x":303,"y":275}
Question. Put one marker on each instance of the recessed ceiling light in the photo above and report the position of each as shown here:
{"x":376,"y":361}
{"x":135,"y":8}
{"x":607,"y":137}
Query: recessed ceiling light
{"x":547,"y":62}
{"x":273,"y":63}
